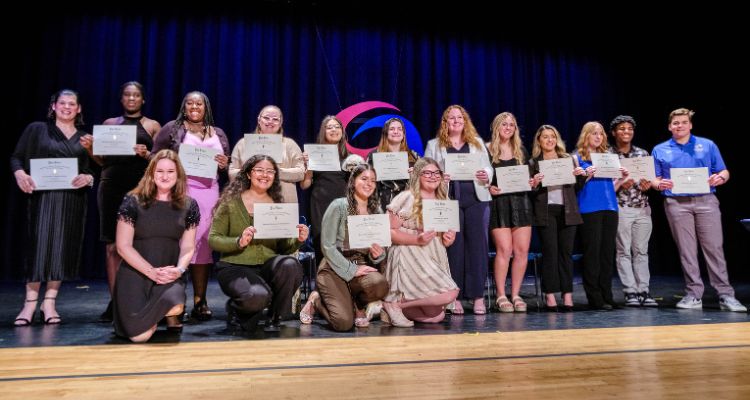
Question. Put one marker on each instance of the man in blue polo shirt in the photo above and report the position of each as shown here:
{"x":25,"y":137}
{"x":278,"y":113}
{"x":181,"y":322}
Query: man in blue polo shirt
{"x":695,"y":217}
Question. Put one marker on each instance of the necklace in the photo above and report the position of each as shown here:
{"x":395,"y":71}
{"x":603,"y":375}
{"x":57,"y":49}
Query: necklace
{"x":199,"y":130}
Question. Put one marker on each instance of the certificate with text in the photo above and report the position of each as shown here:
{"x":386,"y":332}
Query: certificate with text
{"x":322,"y":157}
{"x":199,"y":161}
{"x":268,"y":144}
{"x":639,"y":168}
{"x":607,"y":165}
{"x":391,"y":166}
{"x":462,"y":166}
{"x":440,"y":215}
{"x":114,"y":140}
{"x":513,"y":179}
{"x":690,"y":180}
{"x":53,"y":173}
{"x":557,"y":171}
{"x":364,"y":230}
{"x":276,"y":220}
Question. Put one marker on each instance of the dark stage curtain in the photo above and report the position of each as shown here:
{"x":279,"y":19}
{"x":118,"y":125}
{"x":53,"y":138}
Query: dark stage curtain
{"x":314,"y":63}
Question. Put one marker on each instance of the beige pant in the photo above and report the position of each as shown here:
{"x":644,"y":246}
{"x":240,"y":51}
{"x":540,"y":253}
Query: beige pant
{"x":338,"y":297}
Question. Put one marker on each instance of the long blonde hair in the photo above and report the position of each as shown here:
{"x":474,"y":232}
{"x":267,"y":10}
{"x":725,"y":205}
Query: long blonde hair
{"x":536,"y":150}
{"x":583,"y":139}
{"x":146,"y":189}
{"x":468,"y":135}
{"x":441,"y":193}
{"x":515,"y":140}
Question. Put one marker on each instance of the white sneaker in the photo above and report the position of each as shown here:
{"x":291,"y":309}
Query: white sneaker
{"x":690,"y":303}
{"x":729,"y":303}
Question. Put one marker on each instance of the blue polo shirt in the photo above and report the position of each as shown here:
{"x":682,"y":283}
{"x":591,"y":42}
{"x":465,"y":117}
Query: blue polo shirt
{"x":696,"y":153}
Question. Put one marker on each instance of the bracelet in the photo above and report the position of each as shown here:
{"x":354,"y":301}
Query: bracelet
{"x":181,"y":269}
{"x":91,"y":182}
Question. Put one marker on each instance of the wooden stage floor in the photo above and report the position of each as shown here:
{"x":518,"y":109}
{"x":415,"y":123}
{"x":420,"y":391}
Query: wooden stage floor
{"x":649,"y":362}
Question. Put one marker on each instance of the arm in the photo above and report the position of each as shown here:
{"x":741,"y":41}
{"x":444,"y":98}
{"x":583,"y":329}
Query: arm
{"x":334,"y":216}
{"x":20,"y":156}
{"x":296,"y":170}
{"x":124,"y":243}
{"x":399,"y":237}
{"x":719,"y":178}
{"x":219,"y":238}
{"x":171,"y":273}
{"x":307,"y":181}
{"x":235,"y":163}
{"x":163,"y":139}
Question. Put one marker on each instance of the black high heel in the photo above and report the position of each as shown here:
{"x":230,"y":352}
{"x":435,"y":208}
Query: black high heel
{"x":173,"y":323}
{"x":201,"y":312}
{"x":24,"y":321}
{"x":54,"y":320}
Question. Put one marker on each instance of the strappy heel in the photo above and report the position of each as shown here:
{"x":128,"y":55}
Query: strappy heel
{"x":52,"y":320}
{"x":24,"y":321}
{"x":173,"y":323}
{"x":201,"y":312}
{"x":306,"y":317}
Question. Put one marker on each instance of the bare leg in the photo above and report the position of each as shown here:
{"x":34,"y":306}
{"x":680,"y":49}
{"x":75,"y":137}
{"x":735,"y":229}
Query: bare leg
{"x":145,"y":336}
{"x":29,"y":306}
{"x":427,"y":314}
{"x":48,"y":303}
{"x":503,"y":241}
{"x":521,"y":238}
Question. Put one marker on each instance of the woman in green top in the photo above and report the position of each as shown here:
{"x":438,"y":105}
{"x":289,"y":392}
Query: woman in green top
{"x":254,"y":273}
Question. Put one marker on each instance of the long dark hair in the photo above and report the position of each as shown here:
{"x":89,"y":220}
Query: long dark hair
{"x":343,"y":152}
{"x":208,"y":116}
{"x":146,"y":189}
{"x":64,"y":92}
{"x":242,"y":182}
{"x":373,"y":202}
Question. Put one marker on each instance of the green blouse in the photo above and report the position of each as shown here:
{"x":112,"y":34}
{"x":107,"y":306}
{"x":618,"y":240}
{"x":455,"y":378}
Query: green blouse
{"x":229,"y":221}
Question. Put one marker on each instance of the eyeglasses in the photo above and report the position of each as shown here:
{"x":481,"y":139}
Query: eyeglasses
{"x":266,"y":118}
{"x":261,"y":171}
{"x":431,"y":174}
{"x":333,"y":127}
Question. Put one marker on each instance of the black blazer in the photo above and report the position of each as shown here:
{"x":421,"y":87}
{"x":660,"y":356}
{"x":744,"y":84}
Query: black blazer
{"x":539,"y":199}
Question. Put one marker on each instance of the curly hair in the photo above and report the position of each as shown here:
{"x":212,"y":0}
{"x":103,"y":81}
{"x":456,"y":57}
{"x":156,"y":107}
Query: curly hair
{"x":515,"y":140}
{"x":469,"y":134}
{"x":441,"y":193}
{"x":242,"y":182}
{"x":208,"y":117}
{"x":583,"y":140}
{"x":146,"y":189}
{"x":373,"y":202}
{"x":621,"y":119}
{"x":51,"y":116}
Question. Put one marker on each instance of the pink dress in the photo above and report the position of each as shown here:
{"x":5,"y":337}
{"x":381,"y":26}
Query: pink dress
{"x":205,"y":191}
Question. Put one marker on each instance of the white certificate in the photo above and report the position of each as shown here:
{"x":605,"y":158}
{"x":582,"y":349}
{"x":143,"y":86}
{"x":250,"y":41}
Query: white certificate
{"x":268,"y":144}
{"x":199,"y":161}
{"x":114,"y":140}
{"x":276,"y":220}
{"x":364,"y":230}
{"x":513,"y":179}
{"x":557,"y":171}
{"x":391,"y":166}
{"x":53,"y":173}
{"x":322,"y":157}
{"x":639,"y":168}
{"x":690,"y":180}
{"x":462,"y":166}
{"x":607,"y":165}
{"x":440,"y":215}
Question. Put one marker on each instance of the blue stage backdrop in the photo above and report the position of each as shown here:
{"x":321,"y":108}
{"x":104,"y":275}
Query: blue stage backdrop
{"x":311,"y":63}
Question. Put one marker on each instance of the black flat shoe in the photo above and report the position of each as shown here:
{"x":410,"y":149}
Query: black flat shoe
{"x":553,"y":309}
{"x":201,"y":312}
{"x":566,"y":309}
{"x":173,"y":323}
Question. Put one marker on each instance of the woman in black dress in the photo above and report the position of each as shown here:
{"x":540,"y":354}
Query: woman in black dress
{"x":393,"y":139}
{"x":156,"y":238}
{"x":121,"y":174}
{"x":55,"y":217}
{"x":326,"y":185}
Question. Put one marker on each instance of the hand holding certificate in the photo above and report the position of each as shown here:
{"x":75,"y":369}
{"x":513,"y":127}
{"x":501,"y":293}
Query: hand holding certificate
{"x":690,"y":180}
{"x":640,"y":168}
{"x":268,"y":144}
{"x":513,"y":179}
{"x":440,"y":215}
{"x":322,"y":157}
{"x":114,"y":140}
{"x":199,"y":161}
{"x":557,"y":171}
{"x":391,"y":166}
{"x":276,"y":220}
{"x":462,"y":166}
{"x":366,"y":230}
{"x":607,"y":165}
{"x":53,"y":173}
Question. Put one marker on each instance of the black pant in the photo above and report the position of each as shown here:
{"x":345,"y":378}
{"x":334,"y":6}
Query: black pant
{"x":598,"y":238}
{"x":252,"y":288}
{"x":557,"y":251}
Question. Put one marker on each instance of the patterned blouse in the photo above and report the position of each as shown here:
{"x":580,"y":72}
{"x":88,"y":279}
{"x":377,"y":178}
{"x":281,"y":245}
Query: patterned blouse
{"x":632,"y":197}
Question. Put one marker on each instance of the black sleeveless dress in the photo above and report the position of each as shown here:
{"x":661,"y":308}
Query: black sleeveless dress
{"x":120,"y":174}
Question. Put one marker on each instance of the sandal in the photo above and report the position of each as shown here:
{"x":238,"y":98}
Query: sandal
{"x":52,"y":320}
{"x":173,"y":323}
{"x":24,"y":321}
{"x":479,"y":307}
{"x":504,"y":305}
{"x":458,"y":308}
{"x":519,"y":305}
{"x":201,"y":312}
{"x":306,"y":317}
{"x":360,"y":320}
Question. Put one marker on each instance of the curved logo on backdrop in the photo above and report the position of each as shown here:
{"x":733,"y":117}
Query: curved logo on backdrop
{"x":375,"y":124}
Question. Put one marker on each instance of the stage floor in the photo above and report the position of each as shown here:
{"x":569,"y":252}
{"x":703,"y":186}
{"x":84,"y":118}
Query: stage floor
{"x":80,"y":304}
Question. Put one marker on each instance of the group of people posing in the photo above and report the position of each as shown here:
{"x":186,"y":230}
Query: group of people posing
{"x":157,"y":222}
